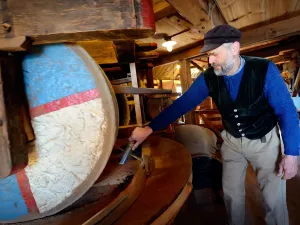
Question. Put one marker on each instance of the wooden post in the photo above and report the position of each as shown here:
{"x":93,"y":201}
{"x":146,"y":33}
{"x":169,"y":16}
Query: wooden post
{"x":160,"y":84}
{"x":13,"y":151}
{"x":149,"y":78}
{"x":296,"y":86}
{"x":211,"y":103}
{"x":186,"y":81}
{"x":137,"y":103}
{"x":297,"y":82}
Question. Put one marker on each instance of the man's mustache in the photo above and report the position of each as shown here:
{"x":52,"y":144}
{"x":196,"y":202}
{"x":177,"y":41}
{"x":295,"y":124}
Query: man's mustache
{"x":215,"y":65}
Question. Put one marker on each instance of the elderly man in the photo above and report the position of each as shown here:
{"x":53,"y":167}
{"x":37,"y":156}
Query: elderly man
{"x":252,"y":99}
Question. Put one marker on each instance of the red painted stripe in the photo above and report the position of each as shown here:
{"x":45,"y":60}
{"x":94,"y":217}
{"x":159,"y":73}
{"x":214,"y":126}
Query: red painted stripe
{"x":148,"y":14}
{"x":26,"y":192}
{"x":18,"y":168}
{"x":74,"y":99}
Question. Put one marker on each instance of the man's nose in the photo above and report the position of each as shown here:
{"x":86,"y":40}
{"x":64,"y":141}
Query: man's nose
{"x":211,"y":59}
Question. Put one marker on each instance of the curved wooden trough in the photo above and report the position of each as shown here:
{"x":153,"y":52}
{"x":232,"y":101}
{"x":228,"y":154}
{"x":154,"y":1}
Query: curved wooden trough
{"x":153,"y":199}
{"x":167,"y":187}
{"x":75,"y":118}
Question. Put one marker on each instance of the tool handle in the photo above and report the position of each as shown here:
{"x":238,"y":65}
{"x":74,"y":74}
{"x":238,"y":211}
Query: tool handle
{"x":126,"y":153}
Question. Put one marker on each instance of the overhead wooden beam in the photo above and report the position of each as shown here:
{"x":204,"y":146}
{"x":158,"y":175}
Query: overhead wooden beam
{"x":197,"y":12}
{"x":291,"y":43}
{"x":65,"y":21}
{"x":162,"y":9}
{"x":271,"y":31}
{"x":261,"y":35}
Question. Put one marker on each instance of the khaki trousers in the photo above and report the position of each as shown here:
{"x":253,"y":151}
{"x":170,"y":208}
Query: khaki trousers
{"x":264,"y":156}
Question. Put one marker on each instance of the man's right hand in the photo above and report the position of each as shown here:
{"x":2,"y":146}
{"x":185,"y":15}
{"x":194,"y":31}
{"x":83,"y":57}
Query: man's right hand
{"x":139,"y":135}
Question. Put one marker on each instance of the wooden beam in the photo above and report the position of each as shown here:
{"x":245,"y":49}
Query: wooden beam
{"x":118,"y":51}
{"x":253,"y":36}
{"x":121,"y":81}
{"x":197,"y":13}
{"x":146,"y":55}
{"x":143,"y":47}
{"x":186,"y":81}
{"x":110,"y":52}
{"x":15,"y":44}
{"x":162,"y":9}
{"x":196,"y":65}
{"x":66,"y":21}
{"x":271,"y":31}
{"x":285,"y":56}
{"x":133,"y":90}
{"x":103,"y":52}
{"x":137,"y":103}
{"x":290,"y":43}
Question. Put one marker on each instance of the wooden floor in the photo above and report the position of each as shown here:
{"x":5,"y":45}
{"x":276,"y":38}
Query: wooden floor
{"x":203,"y":208}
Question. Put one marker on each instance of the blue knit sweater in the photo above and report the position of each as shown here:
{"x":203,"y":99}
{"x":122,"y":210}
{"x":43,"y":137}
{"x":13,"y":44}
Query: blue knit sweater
{"x":275,"y":91}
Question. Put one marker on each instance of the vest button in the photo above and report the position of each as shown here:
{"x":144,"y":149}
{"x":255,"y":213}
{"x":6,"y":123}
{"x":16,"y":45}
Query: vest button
{"x":236,"y":116}
{"x":238,"y":124}
{"x":240,"y":130}
{"x":243,"y":135}
{"x":235,"y":110}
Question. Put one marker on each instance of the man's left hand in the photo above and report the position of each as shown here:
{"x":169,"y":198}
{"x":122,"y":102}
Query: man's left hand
{"x":288,"y":167}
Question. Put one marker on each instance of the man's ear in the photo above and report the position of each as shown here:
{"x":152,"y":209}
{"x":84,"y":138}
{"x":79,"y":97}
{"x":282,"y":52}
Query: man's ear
{"x":236,"y":48}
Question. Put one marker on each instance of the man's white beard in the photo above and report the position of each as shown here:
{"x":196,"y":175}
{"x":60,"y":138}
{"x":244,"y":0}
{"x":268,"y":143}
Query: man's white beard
{"x":225,"y":68}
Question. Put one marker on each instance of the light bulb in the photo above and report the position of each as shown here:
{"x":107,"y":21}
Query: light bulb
{"x":178,"y":66}
{"x":169,"y":45}
{"x":195,"y":70}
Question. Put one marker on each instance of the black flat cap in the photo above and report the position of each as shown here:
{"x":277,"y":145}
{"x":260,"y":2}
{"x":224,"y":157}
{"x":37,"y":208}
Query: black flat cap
{"x":219,"y":35}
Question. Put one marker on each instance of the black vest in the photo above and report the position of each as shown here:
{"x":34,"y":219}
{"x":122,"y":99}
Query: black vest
{"x":250,"y":115}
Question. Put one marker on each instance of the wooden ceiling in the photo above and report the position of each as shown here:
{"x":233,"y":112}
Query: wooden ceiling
{"x":187,"y":21}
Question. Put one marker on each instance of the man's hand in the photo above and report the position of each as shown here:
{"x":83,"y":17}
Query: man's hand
{"x":139,"y":135}
{"x":288,"y":166}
